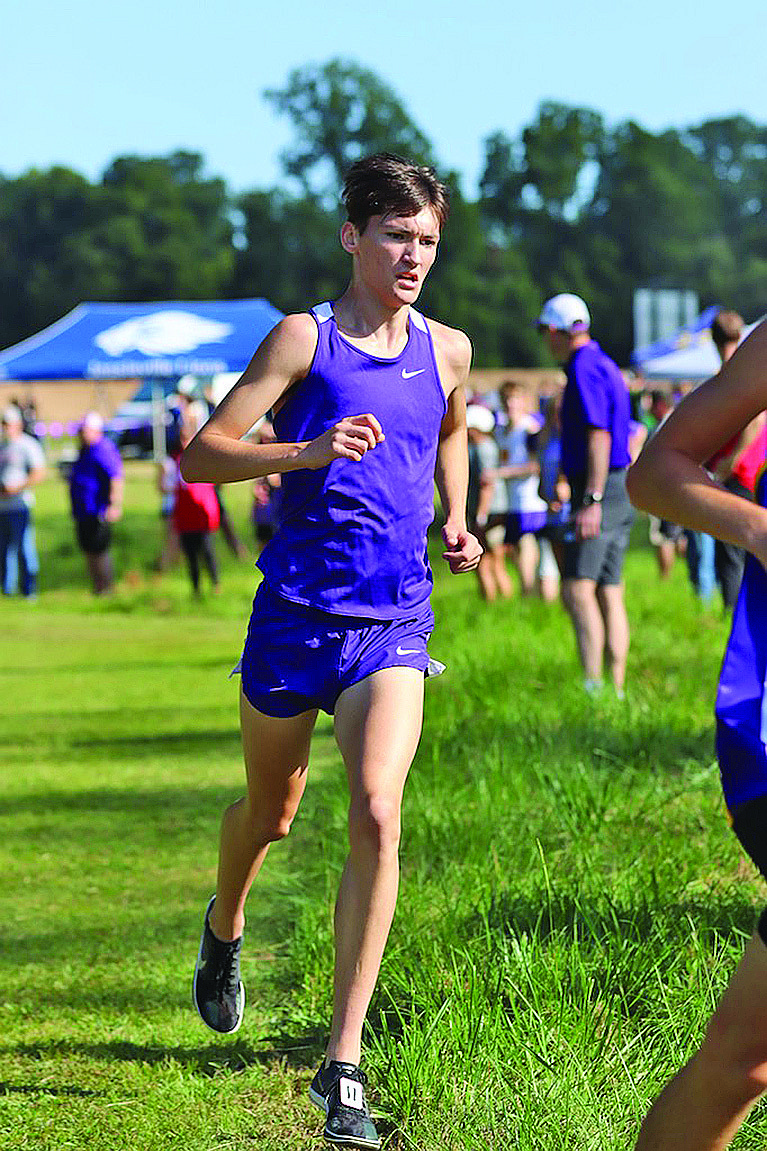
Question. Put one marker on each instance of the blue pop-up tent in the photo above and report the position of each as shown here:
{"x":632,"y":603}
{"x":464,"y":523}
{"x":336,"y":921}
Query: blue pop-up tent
{"x":687,"y":355}
{"x":159,"y":340}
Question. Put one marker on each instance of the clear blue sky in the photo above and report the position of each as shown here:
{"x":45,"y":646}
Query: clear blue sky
{"x":82,"y":82}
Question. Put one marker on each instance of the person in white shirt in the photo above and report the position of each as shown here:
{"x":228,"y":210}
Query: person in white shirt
{"x":519,"y":467}
{"x":487,"y":503}
{"x":22,"y":464}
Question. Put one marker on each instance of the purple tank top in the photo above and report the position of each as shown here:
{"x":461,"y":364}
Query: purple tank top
{"x":352,"y":536}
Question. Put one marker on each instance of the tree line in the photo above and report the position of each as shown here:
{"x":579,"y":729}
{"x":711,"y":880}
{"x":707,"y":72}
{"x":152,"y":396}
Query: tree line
{"x":569,"y":204}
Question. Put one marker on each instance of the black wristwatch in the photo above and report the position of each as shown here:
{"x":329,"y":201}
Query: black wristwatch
{"x":590,"y":498}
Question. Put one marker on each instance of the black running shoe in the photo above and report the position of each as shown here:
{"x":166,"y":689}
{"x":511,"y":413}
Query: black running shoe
{"x":339,"y":1091}
{"x":219,"y":993}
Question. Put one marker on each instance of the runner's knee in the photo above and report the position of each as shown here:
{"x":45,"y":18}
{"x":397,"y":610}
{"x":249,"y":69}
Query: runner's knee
{"x":278,"y":826}
{"x":264,"y":826}
{"x":374,"y":821}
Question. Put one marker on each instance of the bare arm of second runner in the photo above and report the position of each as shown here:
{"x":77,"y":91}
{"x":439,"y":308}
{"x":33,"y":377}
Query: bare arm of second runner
{"x":669,"y":479}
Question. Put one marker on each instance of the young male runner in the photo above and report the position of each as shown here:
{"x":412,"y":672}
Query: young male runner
{"x":702,"y":1108}
{"x":369,"y":406}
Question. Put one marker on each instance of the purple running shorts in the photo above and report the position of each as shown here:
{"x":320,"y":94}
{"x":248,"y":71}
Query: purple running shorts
{"x":297,"y":659}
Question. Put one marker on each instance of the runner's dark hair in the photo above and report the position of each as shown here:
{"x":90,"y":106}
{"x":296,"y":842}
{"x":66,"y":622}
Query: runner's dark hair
{"x":385,"y":183}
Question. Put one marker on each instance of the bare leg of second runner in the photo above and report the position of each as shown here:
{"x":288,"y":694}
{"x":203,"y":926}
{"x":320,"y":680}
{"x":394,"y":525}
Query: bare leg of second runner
{"x":702,"y":1108}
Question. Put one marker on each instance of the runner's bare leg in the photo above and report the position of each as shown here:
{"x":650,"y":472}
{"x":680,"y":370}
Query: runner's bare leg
{"x":378,"y":725}
{"x":702,"y":1108}
{"x":276,"y":758}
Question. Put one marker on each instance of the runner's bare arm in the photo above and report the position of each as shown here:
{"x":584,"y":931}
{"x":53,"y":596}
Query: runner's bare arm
{"x":668,"y":478}
{"x":453,"y":354}
{"x":217,"y":454}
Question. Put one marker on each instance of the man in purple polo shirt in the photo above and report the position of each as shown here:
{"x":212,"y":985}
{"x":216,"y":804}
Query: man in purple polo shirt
{"x":595,"y":456}
{"x":96,"y":493}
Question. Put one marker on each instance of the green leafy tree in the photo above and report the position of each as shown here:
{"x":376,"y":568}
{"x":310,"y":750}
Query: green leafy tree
{"x":482,"y":288}
{"x":557,"y":146}
{"x":153,"y":228}
{"x":291,"y":252}
{"x":341,"y":111}
{"x":170,"y":231}
{"x":41,"y":267}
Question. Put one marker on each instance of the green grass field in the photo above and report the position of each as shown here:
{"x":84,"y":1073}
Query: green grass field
{"x":572,"y":900}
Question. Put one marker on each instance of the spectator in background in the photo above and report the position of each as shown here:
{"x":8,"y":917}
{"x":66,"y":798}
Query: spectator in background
{"x":167,"y":483}
{"x":637,"y":438}
{"x":96,"y":493}
{"x":196,"y":514}
{"x":22,"y":465}
{"x":267,"y":493}
{"x":194,"y":414}
{"x":595,"y":456}
{"x":736,"y":464}
{"x":487,"y":503}
{"x":518,"y":466}
{"x":555,"y":491}
{"x":193,"y":410}
{"x":29,"y":416}
{"x":667,"y":539}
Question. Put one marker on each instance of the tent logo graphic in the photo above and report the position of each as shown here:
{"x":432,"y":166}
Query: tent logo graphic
{"x":161,"y":334}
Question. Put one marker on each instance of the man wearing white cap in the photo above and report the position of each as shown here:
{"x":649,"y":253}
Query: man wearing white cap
{"x":595,"y":455}
{"x":22,"y":464}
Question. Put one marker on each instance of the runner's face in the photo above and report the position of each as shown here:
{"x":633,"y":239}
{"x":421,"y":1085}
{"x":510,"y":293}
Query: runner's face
{"x":395,"y":254}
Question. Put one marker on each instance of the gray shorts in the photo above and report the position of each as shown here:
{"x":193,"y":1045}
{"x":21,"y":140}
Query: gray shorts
{"x":601,"y":559}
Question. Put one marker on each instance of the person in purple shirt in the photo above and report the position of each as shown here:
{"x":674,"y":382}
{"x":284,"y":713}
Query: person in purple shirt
{"x":595,"y":419}
{"x":369,"y":409}
{"x":96,"y":495}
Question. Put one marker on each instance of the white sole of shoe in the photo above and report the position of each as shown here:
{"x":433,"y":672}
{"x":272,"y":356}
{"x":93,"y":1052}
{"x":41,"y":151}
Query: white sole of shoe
{"x":318,"y":1100}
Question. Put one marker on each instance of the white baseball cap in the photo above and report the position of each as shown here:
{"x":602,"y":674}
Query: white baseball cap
{"x":93,"y":422}
{"x":565,"y":313}
{"x":187,"y":385}
{"x":12,"y":415}
{"x":480,"y":418}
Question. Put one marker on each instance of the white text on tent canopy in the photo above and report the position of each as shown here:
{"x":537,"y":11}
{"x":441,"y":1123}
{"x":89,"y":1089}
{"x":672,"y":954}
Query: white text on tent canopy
{"x":165,"y":333}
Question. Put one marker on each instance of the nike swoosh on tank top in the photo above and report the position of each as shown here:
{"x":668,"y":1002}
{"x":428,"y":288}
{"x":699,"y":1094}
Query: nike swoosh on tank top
{"x":352,"y":536}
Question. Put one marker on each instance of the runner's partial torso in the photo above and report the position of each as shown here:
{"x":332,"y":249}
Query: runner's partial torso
{"x":352,"y":537}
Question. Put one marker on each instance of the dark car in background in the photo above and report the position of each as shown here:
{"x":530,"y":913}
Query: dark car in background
{"x":131,"y":425}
